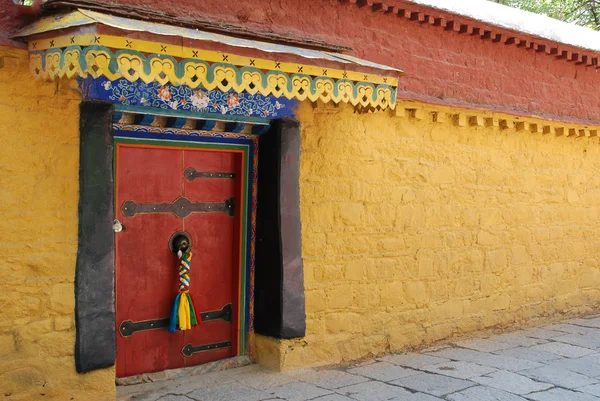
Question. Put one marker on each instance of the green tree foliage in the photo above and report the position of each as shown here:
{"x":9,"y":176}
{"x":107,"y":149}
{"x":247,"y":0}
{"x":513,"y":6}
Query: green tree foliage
{"x":581,"y":12}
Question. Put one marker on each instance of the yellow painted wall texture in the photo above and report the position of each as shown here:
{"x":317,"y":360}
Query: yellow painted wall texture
{"x":39,"y":162}
{"x":414,"y":231}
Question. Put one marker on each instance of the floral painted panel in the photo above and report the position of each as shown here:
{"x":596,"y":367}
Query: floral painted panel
{"x":184,"y":98}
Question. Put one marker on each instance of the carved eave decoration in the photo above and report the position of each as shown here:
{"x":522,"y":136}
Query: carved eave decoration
{"x":84,"y":44}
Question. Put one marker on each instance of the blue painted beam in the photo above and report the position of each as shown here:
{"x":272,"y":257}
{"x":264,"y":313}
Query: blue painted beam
{"x":234,"y":127}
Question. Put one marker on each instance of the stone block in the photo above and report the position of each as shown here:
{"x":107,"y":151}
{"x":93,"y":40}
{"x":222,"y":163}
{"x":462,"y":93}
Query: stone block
{"x":496,"y":261}
{"x":63,"y":299}
{"x":511,"y":382}
{"x":480,"y":393}
{"x":383,"y":371}
{"x":366,"y":296}
{"x":229,"y":392}
{"x":343,"y":322}
{"x":559,"y":394}
{"x":588,"y":367}
{"x":392,"y":294}
{"x":7,"y":344}
{"x":314,"y":244}
{"x":432,"y":384}
{"x":63,"y":323}
{"x":590,"y":341}
{"x":413,"y":360}
{"x":416,"y":292}
{"x":58,"y":344}
{"x":339,"y":297}
{"x":459,"y":369}
{"x":355,"y":270}
{"x":373,"y":391}
{"x":298,"y":391}
{"x":565,"y":350}
{"x":329,"y":379}
{"x":316,"y":301}
{"x":559,"y":377}
{"x":504,"y":362}
{"x":351,"y":213}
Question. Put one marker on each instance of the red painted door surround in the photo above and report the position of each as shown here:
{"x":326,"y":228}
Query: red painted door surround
{"x":147,"y":270}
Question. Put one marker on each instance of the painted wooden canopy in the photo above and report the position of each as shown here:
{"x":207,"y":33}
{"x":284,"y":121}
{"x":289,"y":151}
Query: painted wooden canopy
{"x":86,"y":44}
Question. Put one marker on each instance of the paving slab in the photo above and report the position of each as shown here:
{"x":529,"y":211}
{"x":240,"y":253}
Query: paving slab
{"x":594,"y":390}
{"x":328,"y":379}
{"x":484,"y":345}
{"x":456,"y":354}
{"x":458,"y":369}
{"x":595,"y":358}
{"x":590,"y":341}
{"x":334,"y":397}
{"x":562,"y":349}
{"x":592,"y":323}
{"x":559,"y":377}
{"x":229,"y":392}
{"x":298,"y":391}
{"x":383,"y":371}
{"x":480,"y":393}
{"x":505,"y":362}
{"x":373,"y":391}
{"x":559,"y":394}
{"x":433,"y":384}
{"x":573,"y":329}
{"x":264,"y":380}
{"x":171,"y":397}
{"x":542,"y":333}
{"x":517,"y":338}
{"x":416,"y":397}
{"x":579,"y":365}
{"x":413,"y":360}
{"x":533,"y":355}
{"x":511,"y":382}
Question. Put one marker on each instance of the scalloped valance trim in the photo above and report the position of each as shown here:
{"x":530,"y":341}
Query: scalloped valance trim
{"x":359,"y":89}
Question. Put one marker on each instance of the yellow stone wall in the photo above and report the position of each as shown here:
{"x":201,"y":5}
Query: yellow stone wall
{"x":436,"y":223}
{"x":417,"y":227}
{"x":39,"y":162}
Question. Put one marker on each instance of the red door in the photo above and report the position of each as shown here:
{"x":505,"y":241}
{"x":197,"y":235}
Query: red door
{"x":160,"y":192}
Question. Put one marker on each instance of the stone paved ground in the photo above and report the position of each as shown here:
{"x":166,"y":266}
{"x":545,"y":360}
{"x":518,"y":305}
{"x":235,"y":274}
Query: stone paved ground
{"x":559,"y":362}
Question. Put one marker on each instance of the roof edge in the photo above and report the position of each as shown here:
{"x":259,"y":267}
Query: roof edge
{"x":518,"y":20}
{"x":145,"y":14}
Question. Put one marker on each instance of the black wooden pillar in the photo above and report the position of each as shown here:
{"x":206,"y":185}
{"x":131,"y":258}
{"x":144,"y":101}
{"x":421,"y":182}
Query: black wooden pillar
{"x":95,"y":345}
{"x":279,"y":280}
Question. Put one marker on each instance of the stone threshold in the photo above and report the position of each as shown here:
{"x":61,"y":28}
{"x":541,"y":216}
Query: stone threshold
{"x":229,"y":363}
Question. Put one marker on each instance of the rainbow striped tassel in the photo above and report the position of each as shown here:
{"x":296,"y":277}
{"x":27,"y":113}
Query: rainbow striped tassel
{"x":183,"y":313}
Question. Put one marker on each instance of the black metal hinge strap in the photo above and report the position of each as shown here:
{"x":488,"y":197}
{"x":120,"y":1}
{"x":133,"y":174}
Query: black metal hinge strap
{"x":191,"y":174}
{"x":128,"y":327}
{"x":190,"y":349}
{"x":181,"y":208}
{"x":223,"y":314}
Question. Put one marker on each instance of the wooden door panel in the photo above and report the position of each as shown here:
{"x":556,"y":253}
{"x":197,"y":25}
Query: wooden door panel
{"x":146,"y":274}
{"x":213,"y":235}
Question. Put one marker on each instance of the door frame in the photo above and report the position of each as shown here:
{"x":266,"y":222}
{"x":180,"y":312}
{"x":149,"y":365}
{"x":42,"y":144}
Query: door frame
{"x":247,"y":147}
{"x":95,"y":317}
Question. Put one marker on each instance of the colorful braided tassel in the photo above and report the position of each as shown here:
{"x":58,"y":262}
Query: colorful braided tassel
{"x":183,"y":314}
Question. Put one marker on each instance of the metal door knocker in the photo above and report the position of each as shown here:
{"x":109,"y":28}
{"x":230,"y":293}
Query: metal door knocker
{"x":180,"y":242}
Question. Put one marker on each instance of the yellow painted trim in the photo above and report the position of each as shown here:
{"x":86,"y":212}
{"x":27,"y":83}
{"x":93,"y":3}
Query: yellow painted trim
{"x":472,"y":118}
{"x":144,"y":46}
{"x":96,"y":61}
